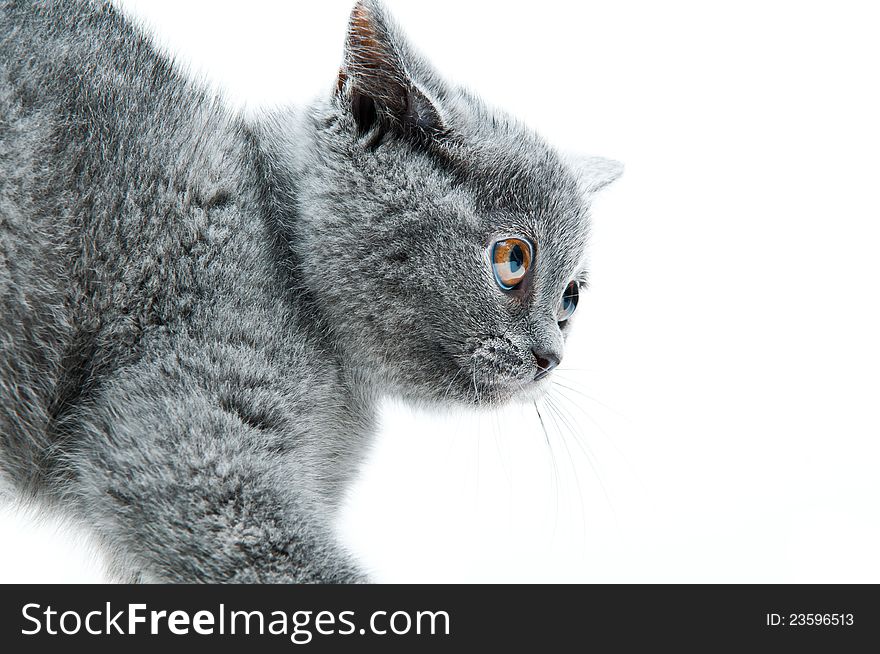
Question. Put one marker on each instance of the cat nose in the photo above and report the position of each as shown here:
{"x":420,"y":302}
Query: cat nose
{"x":546,"y":361}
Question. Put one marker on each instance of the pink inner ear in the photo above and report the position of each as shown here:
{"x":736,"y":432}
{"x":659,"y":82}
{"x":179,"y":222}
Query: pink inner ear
{"x":368,"y":54}
{"x":362,"y":36}
{"x":375,"y":68}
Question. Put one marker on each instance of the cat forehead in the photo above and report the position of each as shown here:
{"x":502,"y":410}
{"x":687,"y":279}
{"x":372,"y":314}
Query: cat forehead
{"x":519,"y":182}
{"x":508,"y":165}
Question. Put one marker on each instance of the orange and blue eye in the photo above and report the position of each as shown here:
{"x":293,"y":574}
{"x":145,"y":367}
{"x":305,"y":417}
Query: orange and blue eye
{"x":511,"y":259}
{"x":569,"y":302}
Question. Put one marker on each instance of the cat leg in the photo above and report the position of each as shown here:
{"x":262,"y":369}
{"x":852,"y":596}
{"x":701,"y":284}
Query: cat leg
{"x":180,"y":490}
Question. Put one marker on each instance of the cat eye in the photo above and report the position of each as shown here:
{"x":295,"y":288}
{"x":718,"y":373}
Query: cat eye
{"x":569,"y":302}
{"x":511,"y":258}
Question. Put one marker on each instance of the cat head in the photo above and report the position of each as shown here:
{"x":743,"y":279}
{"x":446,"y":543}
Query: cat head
{"x":444,"y":241}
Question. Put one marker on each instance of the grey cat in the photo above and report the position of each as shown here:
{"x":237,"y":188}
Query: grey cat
{"x":199,"y":314}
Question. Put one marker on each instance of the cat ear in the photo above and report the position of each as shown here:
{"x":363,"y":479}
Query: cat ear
{"x":596,"y":172}
{"x":375,"y":80}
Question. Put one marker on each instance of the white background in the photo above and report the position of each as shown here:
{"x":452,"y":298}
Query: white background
{"x":726,"y":370}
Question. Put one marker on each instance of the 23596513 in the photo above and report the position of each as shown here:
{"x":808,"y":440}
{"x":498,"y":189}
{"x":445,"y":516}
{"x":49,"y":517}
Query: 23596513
{"x":810,"y":619}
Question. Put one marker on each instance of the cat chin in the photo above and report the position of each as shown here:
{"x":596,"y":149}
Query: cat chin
{"x":533,"y":392}
{"x":498,"y":396}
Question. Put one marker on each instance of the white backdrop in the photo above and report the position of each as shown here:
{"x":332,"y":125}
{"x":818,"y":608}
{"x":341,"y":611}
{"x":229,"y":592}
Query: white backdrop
{"x":721,"y":418}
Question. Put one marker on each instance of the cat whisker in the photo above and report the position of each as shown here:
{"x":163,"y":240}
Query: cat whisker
{"x":554,"y":412}
{"x":451,"y":382}
{"x":566,"y":417}
{"x":555,"y":470}
{"x":498,"y":429}
{"x":477,"y":397}
{"x":586,"y":396}
{"x":560,"y":395}
{"x":567,"y":369}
